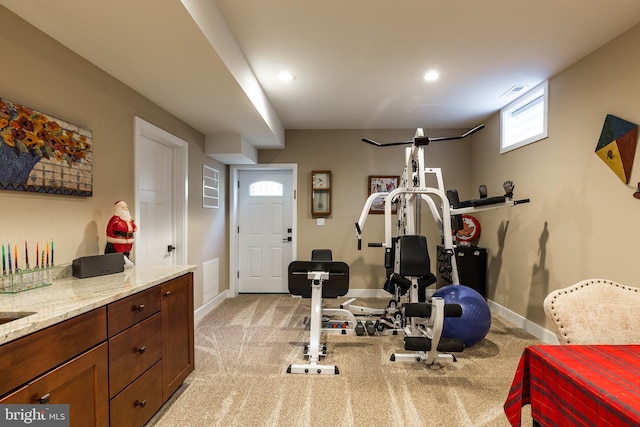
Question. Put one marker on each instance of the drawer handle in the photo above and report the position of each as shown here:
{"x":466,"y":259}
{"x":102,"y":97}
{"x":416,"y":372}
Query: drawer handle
{"x":141,"y":404}
{"x":166,"y":294}
{"x":141,"y":350}
{"x":140,"y":307}
{"x":45,"y":399}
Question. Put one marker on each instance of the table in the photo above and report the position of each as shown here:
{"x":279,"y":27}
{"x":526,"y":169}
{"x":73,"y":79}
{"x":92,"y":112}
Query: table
{"x":577,"y":385}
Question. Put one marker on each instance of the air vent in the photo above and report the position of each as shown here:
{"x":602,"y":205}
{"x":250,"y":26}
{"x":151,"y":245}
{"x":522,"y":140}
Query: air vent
{"x":515,"y":90}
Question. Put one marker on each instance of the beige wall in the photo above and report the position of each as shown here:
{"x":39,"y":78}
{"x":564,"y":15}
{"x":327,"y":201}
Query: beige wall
{"x":40,"y":73}
{"x":351,"y":162}
{"x":581,"y":222}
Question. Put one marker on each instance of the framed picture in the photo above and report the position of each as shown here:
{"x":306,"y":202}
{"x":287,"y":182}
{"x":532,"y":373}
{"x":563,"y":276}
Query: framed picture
{"x":382,"y":184}
{"x":42,"y":154}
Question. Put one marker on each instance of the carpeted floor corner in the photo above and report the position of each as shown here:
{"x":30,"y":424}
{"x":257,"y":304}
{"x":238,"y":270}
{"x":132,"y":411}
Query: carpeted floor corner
{"x":245,"y":345}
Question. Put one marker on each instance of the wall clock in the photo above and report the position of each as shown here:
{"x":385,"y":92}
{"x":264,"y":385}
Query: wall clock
{"x":321,"y":193}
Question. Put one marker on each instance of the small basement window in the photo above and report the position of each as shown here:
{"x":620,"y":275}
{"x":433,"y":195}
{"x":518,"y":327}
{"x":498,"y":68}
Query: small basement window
{"x":524,"y":120}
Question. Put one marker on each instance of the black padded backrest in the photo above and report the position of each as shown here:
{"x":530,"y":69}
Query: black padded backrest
{"x":321,"y":255}
{"x":414,"y":256}
{"x":336,"y":286}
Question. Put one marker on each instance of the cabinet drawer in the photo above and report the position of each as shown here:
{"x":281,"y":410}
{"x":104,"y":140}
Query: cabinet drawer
{"x":33,"y":355}
{"x":132,"y":309}
{"x":19,"y":396}
{"x":138,"y":402}
{"x":133,"y":351}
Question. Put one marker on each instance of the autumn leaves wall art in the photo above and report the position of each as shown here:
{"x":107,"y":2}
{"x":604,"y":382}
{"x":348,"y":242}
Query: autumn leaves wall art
{"x":42,"y":154}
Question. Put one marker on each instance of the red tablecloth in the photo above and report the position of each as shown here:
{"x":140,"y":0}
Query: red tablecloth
{"x":577,"y":385}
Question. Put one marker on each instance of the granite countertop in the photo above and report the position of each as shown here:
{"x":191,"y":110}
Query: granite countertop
{"x":69,"y":297}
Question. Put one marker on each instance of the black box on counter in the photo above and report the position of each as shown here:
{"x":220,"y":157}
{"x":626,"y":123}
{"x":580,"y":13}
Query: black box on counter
{"x":98,"y":265}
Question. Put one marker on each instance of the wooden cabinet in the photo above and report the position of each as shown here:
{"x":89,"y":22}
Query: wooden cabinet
{"x":117,"y":364}
{"x":54,"y":366}
{"x":26,"y":358}
{"x":177,"y":345}
{"x":150,"y":349}
{"x":81,"y":383}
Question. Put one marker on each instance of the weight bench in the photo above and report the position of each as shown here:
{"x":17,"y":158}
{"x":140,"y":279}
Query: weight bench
{"x":318,"y":280}
{"x":423,"y":330}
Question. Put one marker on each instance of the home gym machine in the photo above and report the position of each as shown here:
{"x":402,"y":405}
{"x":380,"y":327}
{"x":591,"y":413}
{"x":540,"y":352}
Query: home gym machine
{"x":318,"y":280}
{"x":406,"y":257}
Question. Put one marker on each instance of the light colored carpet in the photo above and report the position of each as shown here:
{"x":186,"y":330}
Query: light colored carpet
{"x":245,"y":345}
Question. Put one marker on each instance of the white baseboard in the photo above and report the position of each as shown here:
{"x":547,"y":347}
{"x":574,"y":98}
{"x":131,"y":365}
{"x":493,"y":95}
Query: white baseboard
{"x":201,"y":312}
{"x":534,"y":329}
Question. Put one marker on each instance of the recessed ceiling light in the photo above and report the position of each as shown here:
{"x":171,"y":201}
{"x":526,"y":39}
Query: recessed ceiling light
{"x":432,"y":75}
{"x":286,"y":76}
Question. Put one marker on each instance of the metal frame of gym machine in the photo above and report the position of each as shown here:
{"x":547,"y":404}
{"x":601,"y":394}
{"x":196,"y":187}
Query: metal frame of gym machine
{"x":412,"y":190}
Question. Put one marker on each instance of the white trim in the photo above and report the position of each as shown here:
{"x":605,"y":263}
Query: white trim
{"x":234,"y":173}
{"x":521,"y":103}
{"x":527,"y":325}
{"x":180,"y":181}
{"x":207,"y":308}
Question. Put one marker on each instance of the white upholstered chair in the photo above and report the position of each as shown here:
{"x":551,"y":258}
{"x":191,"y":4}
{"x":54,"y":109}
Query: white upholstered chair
{"x":595,"y":311}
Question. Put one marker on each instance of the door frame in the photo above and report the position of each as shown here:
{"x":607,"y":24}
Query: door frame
{"x":234,"y":237}
{"x":180,"y":150}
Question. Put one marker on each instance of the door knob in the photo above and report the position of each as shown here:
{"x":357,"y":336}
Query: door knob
{"x":171,"y":248}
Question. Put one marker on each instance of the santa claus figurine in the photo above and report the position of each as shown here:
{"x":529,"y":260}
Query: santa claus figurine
{"x":120,"y":230}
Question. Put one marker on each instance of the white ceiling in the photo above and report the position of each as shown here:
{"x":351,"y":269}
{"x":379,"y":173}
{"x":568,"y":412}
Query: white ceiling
{"x":359,"y":64}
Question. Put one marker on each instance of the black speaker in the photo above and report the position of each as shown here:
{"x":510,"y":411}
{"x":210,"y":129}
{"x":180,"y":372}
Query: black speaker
{"x":98,"y":265}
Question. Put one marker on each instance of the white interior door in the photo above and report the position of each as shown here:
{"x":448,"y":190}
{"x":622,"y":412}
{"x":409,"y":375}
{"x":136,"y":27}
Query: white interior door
{"x":156,"y":204}
{"x":161,"y":213}
{"x":265,"y":200}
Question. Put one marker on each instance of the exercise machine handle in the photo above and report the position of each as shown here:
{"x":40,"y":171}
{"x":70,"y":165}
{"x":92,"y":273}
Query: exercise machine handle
{"x":375,"y":245}
{"x":519,"y":202}
{"x":424,"y":140}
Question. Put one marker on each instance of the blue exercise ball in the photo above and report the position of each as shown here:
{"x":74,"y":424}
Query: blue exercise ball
{"x":475,"y":322}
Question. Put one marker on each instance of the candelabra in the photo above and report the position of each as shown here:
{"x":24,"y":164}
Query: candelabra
{"x":17,"y":276}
